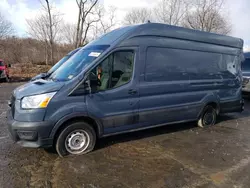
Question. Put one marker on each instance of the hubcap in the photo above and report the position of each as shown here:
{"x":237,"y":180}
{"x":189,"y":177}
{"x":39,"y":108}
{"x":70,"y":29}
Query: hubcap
{"x":77,"y":141}
{"x":208,"y":118}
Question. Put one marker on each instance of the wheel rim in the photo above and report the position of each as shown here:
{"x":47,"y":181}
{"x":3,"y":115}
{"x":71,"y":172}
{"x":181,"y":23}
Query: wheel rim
{"x":77,"y":142}
{"x":209,"y":117}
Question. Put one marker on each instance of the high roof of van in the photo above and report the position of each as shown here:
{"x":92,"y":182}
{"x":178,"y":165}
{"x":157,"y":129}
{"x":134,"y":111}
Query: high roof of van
{"x":164,"y":30}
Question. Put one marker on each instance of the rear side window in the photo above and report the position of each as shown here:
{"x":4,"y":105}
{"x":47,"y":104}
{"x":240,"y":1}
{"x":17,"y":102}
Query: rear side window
{"x":164,"y":64}
{"x":232,"y":66}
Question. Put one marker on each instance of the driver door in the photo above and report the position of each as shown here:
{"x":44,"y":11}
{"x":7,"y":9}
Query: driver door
{"x":116,"y":101}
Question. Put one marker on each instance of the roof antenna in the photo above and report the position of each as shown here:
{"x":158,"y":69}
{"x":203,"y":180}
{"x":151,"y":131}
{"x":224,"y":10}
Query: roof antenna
{"x":149,"y":21}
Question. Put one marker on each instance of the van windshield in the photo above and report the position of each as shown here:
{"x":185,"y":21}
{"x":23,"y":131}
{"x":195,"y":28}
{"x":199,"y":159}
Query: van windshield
{"x":76,"y":63}
{"x":1,"y":64}
{"x":58,"y":64}
{"x":64,"y":59}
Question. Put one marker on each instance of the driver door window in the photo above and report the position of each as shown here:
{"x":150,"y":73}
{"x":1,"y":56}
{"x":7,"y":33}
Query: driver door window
{"x":116,"y":70}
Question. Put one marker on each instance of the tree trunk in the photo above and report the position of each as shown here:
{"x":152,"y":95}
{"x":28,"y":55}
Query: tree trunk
{"x":51,"y":33}
{"x":85,"y":35}
{"x":78,"y":24}
{"x":81,"y":31}
{"x":52,"y":53}
{"x":46,"y":53}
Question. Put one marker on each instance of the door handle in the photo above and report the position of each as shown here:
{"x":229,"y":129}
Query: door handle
{"x":132,"y":92}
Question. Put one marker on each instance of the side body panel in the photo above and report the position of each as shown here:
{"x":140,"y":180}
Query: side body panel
{"x":182,"y":97}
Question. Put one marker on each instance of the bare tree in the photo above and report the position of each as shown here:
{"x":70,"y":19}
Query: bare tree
{"x":137,"y":16}
{"x":207,"y":15}
{"x":107,"y":22}
{"x":17,"y":49}
{"x":46,"y":28}
{"x":51,"y":37}
{"x":37,"y":28}
{"x":68,"y":33}
{"x":6,"y":27}
{"x":86,"y":18}
{"x":170,"y":11}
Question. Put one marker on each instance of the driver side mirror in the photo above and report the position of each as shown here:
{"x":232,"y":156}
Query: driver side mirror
{"x":90,"y":85}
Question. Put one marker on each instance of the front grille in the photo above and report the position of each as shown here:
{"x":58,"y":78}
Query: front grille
{"x":245,"y":81}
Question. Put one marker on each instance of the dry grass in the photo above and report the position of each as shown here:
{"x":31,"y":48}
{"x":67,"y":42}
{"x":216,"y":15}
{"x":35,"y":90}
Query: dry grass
{"x":23,"y":71}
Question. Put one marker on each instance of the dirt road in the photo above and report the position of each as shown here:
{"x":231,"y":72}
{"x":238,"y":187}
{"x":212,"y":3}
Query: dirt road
{"x":171,"y":156}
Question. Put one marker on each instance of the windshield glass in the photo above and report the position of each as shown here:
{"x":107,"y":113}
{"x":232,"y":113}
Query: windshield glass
{"x":59,"y":63}
{"x":246,"y":65}
{"x":1,"y":63}
{"x":77,"y":63}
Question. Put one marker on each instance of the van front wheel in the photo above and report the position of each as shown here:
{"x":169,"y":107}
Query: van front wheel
{"x":208,"y":117}
{"x":76,"y":139}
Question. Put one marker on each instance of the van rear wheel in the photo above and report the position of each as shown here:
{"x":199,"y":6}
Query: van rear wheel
{"x":208,"y":117}
{"x":77,"y":138}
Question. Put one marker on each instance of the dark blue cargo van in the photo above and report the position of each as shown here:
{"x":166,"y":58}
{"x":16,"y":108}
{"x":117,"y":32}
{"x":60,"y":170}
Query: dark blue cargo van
{"x":132,"y":78}
{"x":246,"y":74}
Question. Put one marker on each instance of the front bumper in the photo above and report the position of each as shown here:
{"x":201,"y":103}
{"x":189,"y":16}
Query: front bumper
{"x":30,"y":134}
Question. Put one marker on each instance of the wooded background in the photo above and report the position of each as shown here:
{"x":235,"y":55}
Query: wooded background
{"x":50,"y":37}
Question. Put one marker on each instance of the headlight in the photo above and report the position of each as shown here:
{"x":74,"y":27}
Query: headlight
{"x":37,"y":101}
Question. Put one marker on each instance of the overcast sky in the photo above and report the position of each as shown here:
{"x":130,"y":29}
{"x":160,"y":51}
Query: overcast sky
{"x":18,"y":11}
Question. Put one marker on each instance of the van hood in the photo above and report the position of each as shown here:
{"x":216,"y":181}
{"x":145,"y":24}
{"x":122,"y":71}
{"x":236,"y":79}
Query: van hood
{"x":37,"y":87}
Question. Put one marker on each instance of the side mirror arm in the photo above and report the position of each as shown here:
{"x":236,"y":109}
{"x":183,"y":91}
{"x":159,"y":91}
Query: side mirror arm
{"x":82,"y":89}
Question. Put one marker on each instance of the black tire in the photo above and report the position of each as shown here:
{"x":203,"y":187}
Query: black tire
{"x":208,"y":117}
{"x":63,"y":143}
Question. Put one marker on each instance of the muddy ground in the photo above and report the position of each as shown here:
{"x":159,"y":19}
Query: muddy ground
{"x":171,"y":156}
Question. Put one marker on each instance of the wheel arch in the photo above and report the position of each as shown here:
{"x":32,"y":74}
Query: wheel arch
{"x":212,"y":100}
{"x":214,"y":105}
{"x":65,"y":121}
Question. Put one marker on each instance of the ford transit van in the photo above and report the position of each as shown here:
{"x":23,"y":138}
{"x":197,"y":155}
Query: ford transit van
{"x":133,"y":78}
